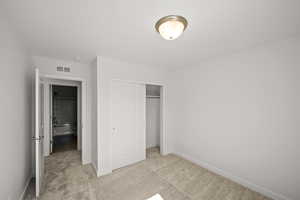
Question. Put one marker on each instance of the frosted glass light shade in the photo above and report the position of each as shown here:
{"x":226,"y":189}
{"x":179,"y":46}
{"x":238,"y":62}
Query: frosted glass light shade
{"x":171,"y":27}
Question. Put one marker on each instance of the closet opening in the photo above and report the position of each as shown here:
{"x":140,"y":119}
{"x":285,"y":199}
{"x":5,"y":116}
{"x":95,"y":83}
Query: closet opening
{"x":153,"y":119}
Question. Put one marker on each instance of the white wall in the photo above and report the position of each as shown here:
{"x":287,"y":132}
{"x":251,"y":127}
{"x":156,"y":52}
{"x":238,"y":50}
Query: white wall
{"x":108,"y":70}
{"x":152,"y":122}
{"x":15,"y":115}
{"x":78,"y":70}
{"x":240,"y":117}
{"x":174,"y":108}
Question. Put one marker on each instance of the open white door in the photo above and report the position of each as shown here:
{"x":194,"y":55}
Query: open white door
{"x":127,"y":123}
{"x":39,"y":134}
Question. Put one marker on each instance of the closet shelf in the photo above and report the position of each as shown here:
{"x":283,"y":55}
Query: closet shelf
{"x":152,"y":96}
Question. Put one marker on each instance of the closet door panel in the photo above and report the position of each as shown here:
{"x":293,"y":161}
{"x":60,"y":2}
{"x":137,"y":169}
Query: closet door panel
{"x":152,"y":122}
{"x":127,"y":123}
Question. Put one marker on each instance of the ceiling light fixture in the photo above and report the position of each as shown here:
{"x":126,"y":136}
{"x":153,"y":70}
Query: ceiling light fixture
{"x":171,"y":27}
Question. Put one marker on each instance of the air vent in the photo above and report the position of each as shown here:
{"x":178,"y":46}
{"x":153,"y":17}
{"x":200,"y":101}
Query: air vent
{"x":60,"y":68}
{"x":67,"y":69}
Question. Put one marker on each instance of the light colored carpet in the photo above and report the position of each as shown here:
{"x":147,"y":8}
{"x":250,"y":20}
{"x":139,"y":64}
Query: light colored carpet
{"x":172,"y":177}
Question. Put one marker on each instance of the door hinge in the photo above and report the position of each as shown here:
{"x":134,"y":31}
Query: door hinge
{"x":37,"y":138}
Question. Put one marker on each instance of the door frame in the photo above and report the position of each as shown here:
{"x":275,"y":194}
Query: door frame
{"x":81,"y":124}
{"x":163,"y":137}
{"x":50,"y":129}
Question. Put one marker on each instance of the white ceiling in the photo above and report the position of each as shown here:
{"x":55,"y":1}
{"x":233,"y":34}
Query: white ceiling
{"x":124,"y":29}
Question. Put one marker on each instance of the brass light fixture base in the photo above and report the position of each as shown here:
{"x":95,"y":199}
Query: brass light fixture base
{"x":171,"y":18}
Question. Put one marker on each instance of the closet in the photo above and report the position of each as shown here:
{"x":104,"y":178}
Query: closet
{"x":153,"y":116}
{"x":134,"y":121}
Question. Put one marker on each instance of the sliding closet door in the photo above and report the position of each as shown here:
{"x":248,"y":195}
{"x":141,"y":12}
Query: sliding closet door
{"x":127,"y":123}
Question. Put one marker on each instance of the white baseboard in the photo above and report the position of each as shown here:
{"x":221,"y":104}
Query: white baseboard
{"x":102,"y":173}
{"x":252,"y":186}
{"x":95,"y":169}
{"x":99,"y":172}
{"x":26,"y":186}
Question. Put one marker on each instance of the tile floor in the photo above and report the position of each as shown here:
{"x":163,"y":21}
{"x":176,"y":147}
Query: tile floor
{"x":172,"y":177}
{"x":64,"y":143}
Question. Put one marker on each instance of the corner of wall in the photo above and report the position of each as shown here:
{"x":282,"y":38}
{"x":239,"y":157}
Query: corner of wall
{"x":22,"y":196}
{"x":264,"y":191}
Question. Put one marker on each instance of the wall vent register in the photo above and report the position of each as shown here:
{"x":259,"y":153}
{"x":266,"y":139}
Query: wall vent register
{"x":63,"y":69}
{"x":67,"y":69}
{"x":60,"y":68}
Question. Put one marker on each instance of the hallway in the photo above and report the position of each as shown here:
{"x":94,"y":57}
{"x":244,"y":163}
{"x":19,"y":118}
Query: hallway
{"x":170,"y":176}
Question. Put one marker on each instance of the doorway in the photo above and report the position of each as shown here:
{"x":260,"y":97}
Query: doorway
{"x":64,"y":115}
{"x":64,"y":118}
{"x":73,"y":93}
{"x":43,"y":133}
